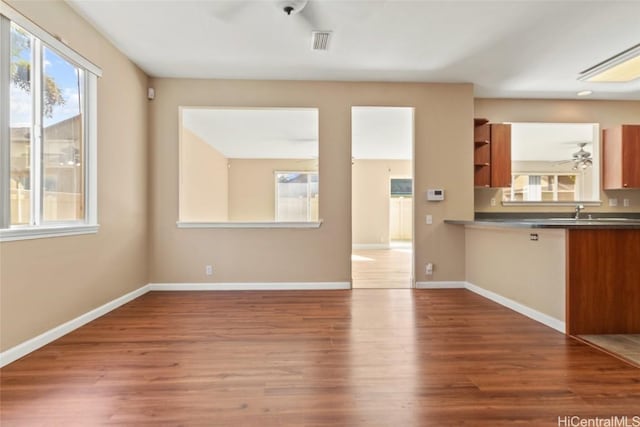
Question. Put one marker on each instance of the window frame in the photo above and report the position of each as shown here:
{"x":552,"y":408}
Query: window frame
{"x":90,"y":73}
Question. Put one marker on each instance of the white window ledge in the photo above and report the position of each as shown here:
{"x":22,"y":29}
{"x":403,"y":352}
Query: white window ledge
{"x":266,"y":224}
{"x":26,"y":233}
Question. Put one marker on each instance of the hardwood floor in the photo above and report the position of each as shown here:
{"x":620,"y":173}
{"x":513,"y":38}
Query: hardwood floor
{"x":311,"y":358}
{"x":381,"y":268}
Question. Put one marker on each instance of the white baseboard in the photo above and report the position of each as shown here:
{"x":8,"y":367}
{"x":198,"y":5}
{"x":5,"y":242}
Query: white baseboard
{"x":371,"y":246}
{"x":440,"y":285}
{"x":545,"y":319}
{"x":258,"y":286}
{"x":45,"y":338}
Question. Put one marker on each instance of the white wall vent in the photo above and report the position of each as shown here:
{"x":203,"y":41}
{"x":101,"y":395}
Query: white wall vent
{"x":320,"y":40}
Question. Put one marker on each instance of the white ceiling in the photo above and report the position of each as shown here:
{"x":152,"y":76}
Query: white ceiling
{"x":260,"y":133}
{"x":292,"y":133}
{"x":382,"y":133}
{"x":550,"y":141}
{"x":516,"y":48}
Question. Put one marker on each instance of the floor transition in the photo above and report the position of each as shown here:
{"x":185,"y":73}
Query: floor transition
{"x":625,"y":346}
{"x":382,"y":268}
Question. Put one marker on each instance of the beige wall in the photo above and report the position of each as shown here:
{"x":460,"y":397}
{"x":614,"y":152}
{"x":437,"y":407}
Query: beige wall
{"x":443,"y":113}
{"x":46,"y":282}
{"x":252,"y":187}
{"x":204,"y":181}
{"x":606,"y":113}
{"x":508,"y":263}
{"x":370,"y":198}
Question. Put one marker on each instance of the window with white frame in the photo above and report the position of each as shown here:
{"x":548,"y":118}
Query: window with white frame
{"x":296,"y":196}
{"x":48,"y":125}
{"x":543,"y":187}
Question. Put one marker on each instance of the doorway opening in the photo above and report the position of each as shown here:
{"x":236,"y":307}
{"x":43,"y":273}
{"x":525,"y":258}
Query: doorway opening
{"x":382,"y":197}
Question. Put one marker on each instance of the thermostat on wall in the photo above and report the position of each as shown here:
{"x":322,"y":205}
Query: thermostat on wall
{"x":435,"y":194}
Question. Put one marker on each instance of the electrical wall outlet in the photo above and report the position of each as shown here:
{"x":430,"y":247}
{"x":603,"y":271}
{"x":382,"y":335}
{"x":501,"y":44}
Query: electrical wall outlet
{"x":493,"y":201}
{"x":613,"y":202}
{"x":428,"y":270}
{"x":208,"y":270}
{"x":626,"y":203}
{"x":429,"y":219}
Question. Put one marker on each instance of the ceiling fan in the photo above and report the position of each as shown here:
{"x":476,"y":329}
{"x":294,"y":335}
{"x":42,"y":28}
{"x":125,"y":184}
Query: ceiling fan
{"x":227,"y":10}
{"x":581,"y":159}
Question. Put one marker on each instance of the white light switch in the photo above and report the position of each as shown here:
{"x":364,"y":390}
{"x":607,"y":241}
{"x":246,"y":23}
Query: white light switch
{"x":429,"y":219}
{"x":626,"y":203}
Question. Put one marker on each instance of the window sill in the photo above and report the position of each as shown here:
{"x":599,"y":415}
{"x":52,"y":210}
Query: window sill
{"x":12,"y":234}
{"x":267,"y":224}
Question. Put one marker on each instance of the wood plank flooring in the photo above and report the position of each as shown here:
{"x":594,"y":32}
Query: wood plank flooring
{"x":381,"y":268}
{"x":626,"y":346}
{"x":315,"y":358}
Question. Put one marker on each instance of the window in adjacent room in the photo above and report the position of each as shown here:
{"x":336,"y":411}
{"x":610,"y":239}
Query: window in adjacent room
{"x":544,"y":188}
{"x":296,"y":196}
{"x":48,"y":176}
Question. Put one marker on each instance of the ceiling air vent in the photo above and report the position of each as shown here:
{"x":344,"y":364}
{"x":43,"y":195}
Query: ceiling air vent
{"x":320,"y":39}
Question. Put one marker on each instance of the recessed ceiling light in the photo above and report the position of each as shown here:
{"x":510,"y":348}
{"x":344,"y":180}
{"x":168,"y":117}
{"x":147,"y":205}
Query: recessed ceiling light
{"x":584,"y":93}
{"x":621,"y":68}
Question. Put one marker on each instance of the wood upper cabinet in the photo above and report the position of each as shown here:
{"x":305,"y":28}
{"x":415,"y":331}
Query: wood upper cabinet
{"x":500,"y":155}
{"x":621,"y":157}
{"x":492,"y":154}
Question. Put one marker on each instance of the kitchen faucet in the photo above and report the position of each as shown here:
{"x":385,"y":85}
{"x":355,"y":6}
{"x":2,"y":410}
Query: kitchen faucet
{"x":578,"y":210}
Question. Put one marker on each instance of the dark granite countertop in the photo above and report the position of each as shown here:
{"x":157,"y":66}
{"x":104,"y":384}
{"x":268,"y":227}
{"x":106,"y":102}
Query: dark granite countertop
{"x":547,"y":220}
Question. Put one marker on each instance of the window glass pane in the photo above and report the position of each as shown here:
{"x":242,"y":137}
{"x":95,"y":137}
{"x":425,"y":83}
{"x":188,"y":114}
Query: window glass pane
{"x":297,"y":197}
{"x":20,"y":120}
{"x":62,"y":145}
{"x":293,"y":192}
{"x":566,"y":182}
{"x":313,"y":194}
{"x":401,"y":187}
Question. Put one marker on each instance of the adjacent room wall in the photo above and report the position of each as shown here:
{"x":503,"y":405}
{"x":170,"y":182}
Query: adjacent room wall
{"x":204,"y":176}
{"x":46,"y":282}
{"x":252,"y":187}
{"x":443,"y":131}
{"x":606,"y":113}
{"x":370,"y":204}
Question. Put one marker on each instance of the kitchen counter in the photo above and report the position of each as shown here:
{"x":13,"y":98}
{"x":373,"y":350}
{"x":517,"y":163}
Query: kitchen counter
{"x":580,"y":276}
{"x":564,"y":223}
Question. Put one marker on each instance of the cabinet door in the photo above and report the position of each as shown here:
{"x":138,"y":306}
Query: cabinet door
{"x":631,"y":156}
{"x":612,"y":158}
{"x":621,"y":157}
{"x":500,"y":155}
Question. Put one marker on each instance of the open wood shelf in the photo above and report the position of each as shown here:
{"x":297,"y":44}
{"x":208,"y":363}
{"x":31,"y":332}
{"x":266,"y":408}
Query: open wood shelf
{"x":491,"y":154}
